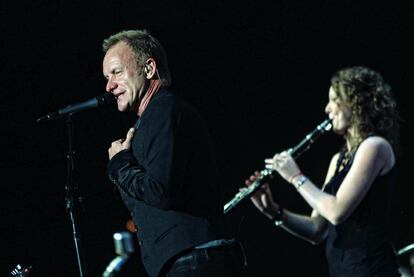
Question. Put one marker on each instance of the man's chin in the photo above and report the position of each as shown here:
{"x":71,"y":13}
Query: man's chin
{"x":123,"y":108}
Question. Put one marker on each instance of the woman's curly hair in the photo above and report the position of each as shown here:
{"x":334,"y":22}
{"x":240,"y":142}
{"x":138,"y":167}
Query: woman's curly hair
{"x":374,"y":110}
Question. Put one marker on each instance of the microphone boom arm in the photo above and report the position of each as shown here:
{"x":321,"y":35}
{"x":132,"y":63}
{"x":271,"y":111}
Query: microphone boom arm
{"x":95,"y":102}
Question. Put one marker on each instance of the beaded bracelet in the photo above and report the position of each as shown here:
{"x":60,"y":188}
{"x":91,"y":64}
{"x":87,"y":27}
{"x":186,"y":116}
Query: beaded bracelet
{"x":279,"y":218}
{"x":294,"y":176}
{"x":301,"y":180}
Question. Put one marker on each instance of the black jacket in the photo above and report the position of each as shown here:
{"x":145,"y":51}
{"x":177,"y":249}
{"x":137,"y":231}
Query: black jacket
{"x":168,"y":181}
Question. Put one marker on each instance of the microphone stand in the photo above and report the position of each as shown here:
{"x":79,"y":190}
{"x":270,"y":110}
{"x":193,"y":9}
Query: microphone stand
{"x":71,"y":199}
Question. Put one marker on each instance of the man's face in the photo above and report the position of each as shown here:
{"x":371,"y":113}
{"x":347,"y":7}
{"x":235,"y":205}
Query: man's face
{"x":125,"y":81}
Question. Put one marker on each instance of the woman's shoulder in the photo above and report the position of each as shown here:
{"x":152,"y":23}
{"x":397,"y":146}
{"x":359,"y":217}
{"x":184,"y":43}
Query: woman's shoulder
{"x":378,"y":148}
{"x":376,"y":143}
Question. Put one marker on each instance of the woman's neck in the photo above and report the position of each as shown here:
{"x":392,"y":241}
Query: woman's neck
{"x":352,"y":138}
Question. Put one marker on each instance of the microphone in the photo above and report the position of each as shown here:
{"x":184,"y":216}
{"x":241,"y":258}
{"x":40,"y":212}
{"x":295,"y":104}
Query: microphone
{"x":98,"y":101}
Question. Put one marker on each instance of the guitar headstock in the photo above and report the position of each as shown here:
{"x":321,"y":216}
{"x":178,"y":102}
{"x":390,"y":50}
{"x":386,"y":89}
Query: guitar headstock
{"x":21,"y":271}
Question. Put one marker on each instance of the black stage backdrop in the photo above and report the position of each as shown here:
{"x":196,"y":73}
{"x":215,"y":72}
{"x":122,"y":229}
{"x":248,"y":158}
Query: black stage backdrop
{"x":258,"y":71}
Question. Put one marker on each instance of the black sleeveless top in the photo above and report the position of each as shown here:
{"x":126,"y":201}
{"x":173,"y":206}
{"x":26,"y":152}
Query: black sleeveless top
{"x":360,"y":246}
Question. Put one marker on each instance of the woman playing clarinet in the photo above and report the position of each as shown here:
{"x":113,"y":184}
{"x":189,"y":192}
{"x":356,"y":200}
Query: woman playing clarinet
{"x":351,"y":211}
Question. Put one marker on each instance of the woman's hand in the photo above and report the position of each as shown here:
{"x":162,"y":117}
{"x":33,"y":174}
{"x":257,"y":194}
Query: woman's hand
{"x":284,"y":164}
{"x":262,"y":198}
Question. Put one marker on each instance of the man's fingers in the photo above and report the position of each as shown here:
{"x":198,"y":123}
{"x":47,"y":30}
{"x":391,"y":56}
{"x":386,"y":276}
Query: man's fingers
{"x":117,"y":142}
{"x":129,"y":135}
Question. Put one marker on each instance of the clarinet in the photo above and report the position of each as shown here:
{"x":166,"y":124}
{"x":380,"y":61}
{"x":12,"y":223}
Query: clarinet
{"x":266,"y":174}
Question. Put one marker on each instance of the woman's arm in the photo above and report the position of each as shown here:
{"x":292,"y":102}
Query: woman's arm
{"x":373,"y":157}
{"x":310,"y":228}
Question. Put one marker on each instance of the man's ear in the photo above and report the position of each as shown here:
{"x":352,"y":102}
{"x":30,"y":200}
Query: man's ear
{"x":150,"y":68}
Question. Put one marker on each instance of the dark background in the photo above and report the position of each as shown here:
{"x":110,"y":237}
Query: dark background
{"x":258,"y":72}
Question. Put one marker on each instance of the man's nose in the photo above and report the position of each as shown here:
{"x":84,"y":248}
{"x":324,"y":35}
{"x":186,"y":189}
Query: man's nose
{"x":327,"y":109}
{"x":110,"y":85}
